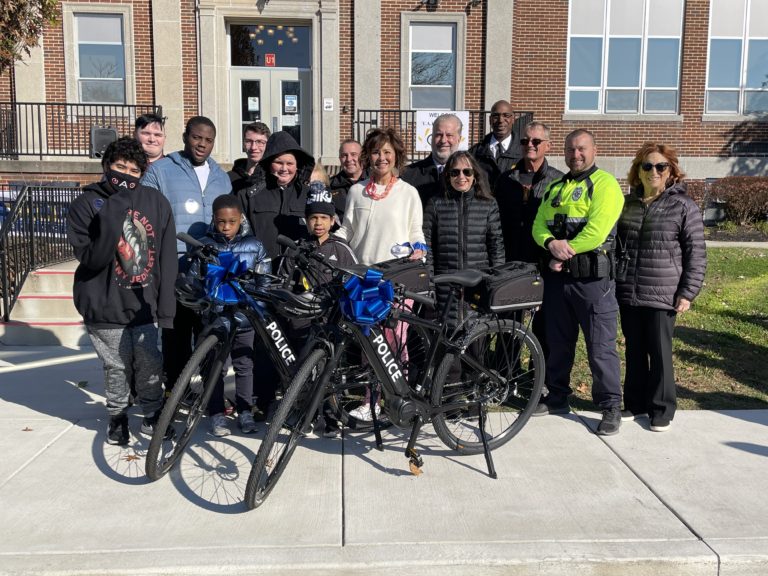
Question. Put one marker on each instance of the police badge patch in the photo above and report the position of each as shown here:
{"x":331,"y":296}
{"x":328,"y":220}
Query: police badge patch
{"x":576,"y":193}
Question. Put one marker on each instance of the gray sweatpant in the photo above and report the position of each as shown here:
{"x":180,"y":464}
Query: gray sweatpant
{"x":130,"y":353}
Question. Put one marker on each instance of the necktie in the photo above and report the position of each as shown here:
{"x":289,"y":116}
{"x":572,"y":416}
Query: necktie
{"x":499,"y":150}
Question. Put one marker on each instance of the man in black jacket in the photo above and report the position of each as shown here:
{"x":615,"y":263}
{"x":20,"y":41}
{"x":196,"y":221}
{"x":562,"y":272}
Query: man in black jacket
{"x":498,"y":151}
{"x":424,"y":175}
{"x":351,"y":173}
{"x":246,"y":174}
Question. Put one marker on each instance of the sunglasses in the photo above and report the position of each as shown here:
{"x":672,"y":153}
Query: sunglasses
{"x":534,"y":141}
{"x":660,"y":167}
{"x":455,"y":173}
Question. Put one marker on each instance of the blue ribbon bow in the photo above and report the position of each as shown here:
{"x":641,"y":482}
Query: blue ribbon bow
{"x":367,"y":301}
{"x":229,"y":264}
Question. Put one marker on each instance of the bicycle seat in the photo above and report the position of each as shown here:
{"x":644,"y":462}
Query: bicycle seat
{"x":466,"y":278}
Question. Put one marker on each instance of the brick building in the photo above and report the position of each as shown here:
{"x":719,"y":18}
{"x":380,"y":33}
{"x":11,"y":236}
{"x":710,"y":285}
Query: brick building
{"x":692,"y":73}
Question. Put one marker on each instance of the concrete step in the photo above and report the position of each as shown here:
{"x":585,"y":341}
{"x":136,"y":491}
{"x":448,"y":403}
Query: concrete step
{"x":32,"y":307}
{"x":54,"y":280}
{"x":48,"y":332}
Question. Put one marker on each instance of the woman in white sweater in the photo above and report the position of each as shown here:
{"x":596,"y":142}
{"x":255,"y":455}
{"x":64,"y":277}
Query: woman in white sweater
{"x":383,"y":210}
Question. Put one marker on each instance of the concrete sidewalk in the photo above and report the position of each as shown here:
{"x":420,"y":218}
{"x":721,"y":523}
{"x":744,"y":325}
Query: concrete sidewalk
{"x":687,"y":502}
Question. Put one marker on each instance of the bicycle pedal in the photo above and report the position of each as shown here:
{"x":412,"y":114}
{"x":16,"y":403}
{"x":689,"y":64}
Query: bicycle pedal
{"x":415,"y":468}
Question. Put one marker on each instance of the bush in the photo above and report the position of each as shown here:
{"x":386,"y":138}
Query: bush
{"x":746,"y":197}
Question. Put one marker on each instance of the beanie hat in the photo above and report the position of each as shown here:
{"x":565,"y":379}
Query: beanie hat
{"x":319,"y":200}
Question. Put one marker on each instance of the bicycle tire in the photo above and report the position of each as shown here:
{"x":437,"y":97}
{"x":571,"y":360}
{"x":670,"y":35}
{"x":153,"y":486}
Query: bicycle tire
{"x":519,"y":361}
{"x":284,"y":431}
{"x":186,"y":404}
{"x":347,"y":395}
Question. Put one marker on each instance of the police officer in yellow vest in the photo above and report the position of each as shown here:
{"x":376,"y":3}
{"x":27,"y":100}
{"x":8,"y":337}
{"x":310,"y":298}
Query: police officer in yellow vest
{"x":576,"y":224}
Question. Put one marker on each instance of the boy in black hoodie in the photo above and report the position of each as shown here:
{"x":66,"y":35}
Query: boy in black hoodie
{"x":124,"y":237}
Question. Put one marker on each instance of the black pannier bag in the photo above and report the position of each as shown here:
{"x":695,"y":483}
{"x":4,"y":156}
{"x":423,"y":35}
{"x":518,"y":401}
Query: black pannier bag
{"x":511,"y":286}
{"x":413,"y":274}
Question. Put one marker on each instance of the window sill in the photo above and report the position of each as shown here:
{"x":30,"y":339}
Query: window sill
{"x":734,"y":117}
{"x":571,"y":117}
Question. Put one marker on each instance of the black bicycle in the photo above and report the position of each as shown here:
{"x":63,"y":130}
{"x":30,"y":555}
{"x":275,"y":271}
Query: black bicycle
{"x":231,"y":298}
{"x":478,"y":384}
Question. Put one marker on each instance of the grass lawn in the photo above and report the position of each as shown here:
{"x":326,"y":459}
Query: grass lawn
{"x":721,"y":344}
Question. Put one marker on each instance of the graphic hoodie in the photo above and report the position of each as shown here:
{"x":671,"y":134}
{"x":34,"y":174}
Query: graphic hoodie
{"x":125,"y":241}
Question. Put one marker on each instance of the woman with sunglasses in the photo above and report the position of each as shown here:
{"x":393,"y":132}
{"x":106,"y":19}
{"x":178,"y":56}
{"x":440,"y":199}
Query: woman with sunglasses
{"x":660,"y":259}
{"x":461,"y":224}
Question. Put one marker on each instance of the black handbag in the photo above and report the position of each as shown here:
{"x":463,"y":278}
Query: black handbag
{"x":510,"y":286}
{"x":413,"y":274}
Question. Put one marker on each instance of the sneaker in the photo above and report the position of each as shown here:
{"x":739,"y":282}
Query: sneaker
{"x":549,"y":407}
{"x":331,"y":429}
{"x":149,"y":423}
{"x":117,"y":432}
{"x":628,"y":415}
{"x":610,"y":423}
{"x":246,"y":422}
{"x":219,"y":425}
{"x":659,"y":425}
{"x":259,"y":415}
{"x":363,"y":412}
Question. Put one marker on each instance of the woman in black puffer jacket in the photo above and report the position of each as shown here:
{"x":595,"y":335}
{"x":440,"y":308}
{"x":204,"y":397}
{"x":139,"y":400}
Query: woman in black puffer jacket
{"x":661,"y":258}
{"x":461,"y":224}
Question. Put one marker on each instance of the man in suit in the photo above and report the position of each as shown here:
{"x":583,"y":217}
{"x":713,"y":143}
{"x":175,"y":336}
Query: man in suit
{"x":497,"y":151}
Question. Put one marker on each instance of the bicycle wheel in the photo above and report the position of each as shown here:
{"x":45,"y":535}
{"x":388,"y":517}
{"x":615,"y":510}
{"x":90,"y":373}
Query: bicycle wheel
{"x":185,"y":407}
{"x":285,"y":430}
{"x":352,"y":381}
{"x":506,"y":350}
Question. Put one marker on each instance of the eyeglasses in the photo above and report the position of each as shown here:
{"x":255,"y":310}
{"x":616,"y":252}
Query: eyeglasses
{"x":455,"y":173}
{"x":505,"y":115}
{"x":660,"y":167}
{"x":259,"y":143}
{"x":534,"y":141}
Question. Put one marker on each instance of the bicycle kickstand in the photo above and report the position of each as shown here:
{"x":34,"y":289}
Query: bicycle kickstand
{"x":415,"y":462}
{"x":486,"y":449}
{"x":376,"y":424}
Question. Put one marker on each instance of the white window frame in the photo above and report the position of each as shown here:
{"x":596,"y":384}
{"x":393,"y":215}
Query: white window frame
{"x":460,"y":22}
{"x":641,"y":88}
{"x":71,"y":67}
{"x":741,"y":88}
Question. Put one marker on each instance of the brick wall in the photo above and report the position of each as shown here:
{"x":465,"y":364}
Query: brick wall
{"x":391,"y":44}
{"x":36,"y":177}
{"x":346,"y":68}
{"x":53,"y":44}
{"x":6,"y":86}
{"x":189,"y":59}
{"x":540,"y":44}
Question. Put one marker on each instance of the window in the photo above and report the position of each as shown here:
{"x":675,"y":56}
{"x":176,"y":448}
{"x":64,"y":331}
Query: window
{"x":100,"y":57}
{"x":433,"y":66}
{"x":432,"y":60}
{"x":624,"y":56}
{"x":737,"y":71}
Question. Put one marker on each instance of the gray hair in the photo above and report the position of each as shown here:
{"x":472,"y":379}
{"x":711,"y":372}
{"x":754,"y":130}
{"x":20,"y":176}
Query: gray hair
{"x":536,"y":124}
{"x":444,"y":117}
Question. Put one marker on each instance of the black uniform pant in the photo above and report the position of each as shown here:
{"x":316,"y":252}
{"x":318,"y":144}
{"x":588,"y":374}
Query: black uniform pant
{"x":178,"y":342}
{"x":649,"y":380}
{"x":590,"y":305}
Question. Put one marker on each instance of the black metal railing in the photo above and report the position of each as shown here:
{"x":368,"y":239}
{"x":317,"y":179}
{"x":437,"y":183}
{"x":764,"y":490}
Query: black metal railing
{"x":33,"y":234}
{"x":59,"y":129}
{"x":404,"y":121}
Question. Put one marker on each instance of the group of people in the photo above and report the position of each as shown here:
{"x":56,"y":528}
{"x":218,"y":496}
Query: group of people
{"x":601,"y":253}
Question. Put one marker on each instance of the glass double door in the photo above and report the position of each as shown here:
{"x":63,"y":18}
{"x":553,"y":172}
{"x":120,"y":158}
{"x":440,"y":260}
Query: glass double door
{"x":280,"y":98}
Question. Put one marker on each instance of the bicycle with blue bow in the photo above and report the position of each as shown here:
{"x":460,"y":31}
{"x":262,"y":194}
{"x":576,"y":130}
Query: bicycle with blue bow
{"x":478,"y":383}
{"x":228,"y":296}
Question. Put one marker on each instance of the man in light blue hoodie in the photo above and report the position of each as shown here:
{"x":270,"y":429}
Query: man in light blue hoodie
{"x":191,"y":180}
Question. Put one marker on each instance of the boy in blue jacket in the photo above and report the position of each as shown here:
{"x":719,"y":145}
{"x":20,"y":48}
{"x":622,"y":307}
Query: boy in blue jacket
{"x":227,"y":234}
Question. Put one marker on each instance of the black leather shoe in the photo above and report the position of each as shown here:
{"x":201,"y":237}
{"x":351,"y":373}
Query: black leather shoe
{"x":549,"y":407}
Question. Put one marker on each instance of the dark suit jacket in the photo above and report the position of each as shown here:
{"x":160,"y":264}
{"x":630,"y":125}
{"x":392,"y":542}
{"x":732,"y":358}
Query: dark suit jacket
{"x":494,"y":167}
{"x":422,"y":175}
